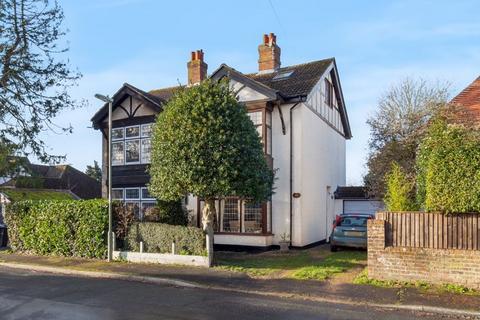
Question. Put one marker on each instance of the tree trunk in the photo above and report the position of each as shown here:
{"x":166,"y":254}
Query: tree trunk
{"x":208,"y":214}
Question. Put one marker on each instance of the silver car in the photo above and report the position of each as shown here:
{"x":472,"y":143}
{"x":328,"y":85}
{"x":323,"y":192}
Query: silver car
{"x":349,"y":230}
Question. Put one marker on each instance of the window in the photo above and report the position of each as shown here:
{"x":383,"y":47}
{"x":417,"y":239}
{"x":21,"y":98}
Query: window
{"x":131,"y":145}
{"x":118,"y":155}
{"x":328,"y":93}
{"x":252,"y":217}
{"x":132,"y":193}
{"x":117,"y":194}
{"x":146,"y":150}
{"x":256,"y":117}
{"x":132,"y":132}
{"x":137,"y":198}
{"x":146,"y":194}
{"x":117,"y":134}
{"x":282,"y":75}
{"x":231,"y":215}
{"x":147,"y":130}
{"x":132,"y":151}
{"x":268,"y":118}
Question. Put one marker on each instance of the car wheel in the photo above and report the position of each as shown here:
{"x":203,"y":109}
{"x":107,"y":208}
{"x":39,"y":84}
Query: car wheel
{"x":333,"y":248}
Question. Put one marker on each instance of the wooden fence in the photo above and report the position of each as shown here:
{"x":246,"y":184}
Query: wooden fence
{"x":432,"y":230}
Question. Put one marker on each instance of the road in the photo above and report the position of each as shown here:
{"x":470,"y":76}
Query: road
{"x":33,"y":295}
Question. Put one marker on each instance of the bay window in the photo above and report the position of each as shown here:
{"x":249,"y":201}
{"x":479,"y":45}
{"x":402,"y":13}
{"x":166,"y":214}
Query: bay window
{"x":131,"y":145}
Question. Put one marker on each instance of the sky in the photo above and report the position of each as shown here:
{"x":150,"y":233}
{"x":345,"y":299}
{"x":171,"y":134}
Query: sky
{"x":376,"y":44}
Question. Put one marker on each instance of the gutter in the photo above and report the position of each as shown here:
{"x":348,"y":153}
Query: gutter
{"x":301,"y":99}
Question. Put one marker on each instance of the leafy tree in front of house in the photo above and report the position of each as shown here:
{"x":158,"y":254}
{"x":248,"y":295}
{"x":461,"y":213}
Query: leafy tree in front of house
{"x":205,"y":144}
{"x":448,"y":168}
{"x":399,"y":194}
{"x":398,"y":126}
{"x":34,"y":74}
{"x":94,"y":171}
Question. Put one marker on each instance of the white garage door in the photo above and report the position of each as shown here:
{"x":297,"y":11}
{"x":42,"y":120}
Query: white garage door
{"x":362,"y":206}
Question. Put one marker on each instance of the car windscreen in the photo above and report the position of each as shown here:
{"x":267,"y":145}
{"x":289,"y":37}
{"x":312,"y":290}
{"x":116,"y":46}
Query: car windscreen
{"x":354,"y":222}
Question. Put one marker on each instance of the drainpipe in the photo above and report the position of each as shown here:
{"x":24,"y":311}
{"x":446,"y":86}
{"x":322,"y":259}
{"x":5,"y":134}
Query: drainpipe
{"x":291,"y":169}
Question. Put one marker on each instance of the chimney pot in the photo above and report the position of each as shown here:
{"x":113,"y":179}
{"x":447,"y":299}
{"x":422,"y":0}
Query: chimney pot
{"x":269,"y":54}
{"x":197,"y":68}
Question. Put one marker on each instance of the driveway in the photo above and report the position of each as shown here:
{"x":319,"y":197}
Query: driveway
{"x":33,"y":295}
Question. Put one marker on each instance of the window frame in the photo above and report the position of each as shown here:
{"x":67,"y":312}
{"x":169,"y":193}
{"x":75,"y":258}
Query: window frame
{"x":132,"y":199}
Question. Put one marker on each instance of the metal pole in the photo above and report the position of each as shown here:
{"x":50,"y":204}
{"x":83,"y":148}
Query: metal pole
{"x":109,"y":181}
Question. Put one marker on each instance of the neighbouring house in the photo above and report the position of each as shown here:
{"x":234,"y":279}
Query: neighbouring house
{"x":356,"y":199}
{"x":468,"y":103}
{"x":300,"y":114}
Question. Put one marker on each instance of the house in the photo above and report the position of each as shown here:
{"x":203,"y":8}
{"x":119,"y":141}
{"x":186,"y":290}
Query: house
{"x":356,"y":199}
{"x":57,"y":177}
{"x":300,"y":114}
{"x":467,"y":103}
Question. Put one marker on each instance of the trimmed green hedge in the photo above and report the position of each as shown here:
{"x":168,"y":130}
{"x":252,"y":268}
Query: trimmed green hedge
{"x":158,"y":237}
{"x":448,"y":169}
{"x":59,"y":227}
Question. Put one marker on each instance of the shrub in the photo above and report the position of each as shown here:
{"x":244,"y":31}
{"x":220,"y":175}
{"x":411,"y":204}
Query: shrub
{"x":399,"y":193}
{"x":158,"y":237}
{"x":59,"y":227}
{"x":123,"y":217}
{"x":448,"y":168}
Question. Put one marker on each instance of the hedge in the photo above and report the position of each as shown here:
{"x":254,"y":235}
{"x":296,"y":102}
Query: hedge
{"x":448,"y":169}
{"x":59,"y":227}
{"x":158,"y":237}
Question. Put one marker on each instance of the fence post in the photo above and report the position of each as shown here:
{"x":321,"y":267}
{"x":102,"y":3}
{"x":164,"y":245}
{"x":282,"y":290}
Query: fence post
{"x":209,"y":243}
{"x":114,"y":242}
{"x":174,"y":249}
{"x":141,"y":246}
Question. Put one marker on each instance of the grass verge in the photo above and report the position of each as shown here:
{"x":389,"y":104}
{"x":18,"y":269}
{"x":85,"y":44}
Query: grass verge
{"x":301,"y":265}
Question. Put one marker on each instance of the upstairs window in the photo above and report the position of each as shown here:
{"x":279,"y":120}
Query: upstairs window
{"x":131,"y":145}
{"x":328,"y":93}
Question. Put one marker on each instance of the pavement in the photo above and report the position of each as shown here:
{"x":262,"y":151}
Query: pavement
{"x":328,"y":292}
{"x":27,"y":294}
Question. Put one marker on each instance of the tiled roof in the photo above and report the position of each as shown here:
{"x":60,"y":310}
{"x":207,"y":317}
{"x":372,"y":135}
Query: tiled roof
{"x":299,"y":83}
{"x":164,"y":93}
{"x":468,"y":102}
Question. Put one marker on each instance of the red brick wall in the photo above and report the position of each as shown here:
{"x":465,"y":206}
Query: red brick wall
{"x":420,"y":264}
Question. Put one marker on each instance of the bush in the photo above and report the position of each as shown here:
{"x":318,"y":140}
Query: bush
{"x":123,"y":217}
{"x":448,"y":169}
{"x":158,"y":237}
{"x":399,"y":194}
{"x":169,"y":212}
{"x":59,"y":227}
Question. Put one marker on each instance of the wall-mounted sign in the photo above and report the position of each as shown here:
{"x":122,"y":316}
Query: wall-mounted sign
{"x":296,"y":195}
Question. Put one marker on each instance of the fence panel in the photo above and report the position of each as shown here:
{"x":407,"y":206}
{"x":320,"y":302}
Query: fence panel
{"x":432,"y":230}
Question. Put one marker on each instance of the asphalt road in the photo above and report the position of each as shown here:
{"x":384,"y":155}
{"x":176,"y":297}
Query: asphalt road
{"x":33,"y":295}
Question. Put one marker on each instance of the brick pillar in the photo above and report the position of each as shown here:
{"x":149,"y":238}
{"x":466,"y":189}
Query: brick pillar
{"x":376,"y":244}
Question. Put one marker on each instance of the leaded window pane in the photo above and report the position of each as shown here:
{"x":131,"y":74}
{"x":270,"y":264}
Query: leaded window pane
{"x":117,"y":194}
{"x":256,"y":117}
{"x":132,"y":193}
{"x":118,"y":155}
{"x":231,"y":215}
{"x":146,"y":150}
{"x":146,"y":194}
{"x":253,"y":217}
{"x":132,"y":132}
{"x":132,"y":151}
{"x":147,"y":130}
{"x":117,"y":134}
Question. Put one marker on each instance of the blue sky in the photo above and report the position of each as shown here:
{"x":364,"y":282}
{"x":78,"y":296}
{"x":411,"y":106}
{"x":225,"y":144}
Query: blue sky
{"x":376,"y":44}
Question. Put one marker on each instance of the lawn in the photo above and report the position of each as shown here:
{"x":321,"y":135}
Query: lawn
{"x":311,"y":264}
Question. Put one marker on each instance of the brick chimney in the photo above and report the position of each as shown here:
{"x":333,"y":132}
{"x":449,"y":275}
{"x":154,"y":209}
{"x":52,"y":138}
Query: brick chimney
{"x":268,"y":54}
{"x":197,"y":68}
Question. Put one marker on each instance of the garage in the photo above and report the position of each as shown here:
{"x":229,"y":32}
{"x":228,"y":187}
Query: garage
{"x":355,"y":199}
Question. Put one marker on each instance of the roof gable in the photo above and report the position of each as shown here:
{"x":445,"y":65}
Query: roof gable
{"x":126,"y":90}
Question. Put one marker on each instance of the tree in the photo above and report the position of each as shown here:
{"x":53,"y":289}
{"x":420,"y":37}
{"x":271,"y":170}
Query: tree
{"x":205,"y":144}
{"x":34,"y":78}
{"x":397,"y":127}
{"x":94,"y":171}
{"x":400,"y":194}
{"x":169,"y":212}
